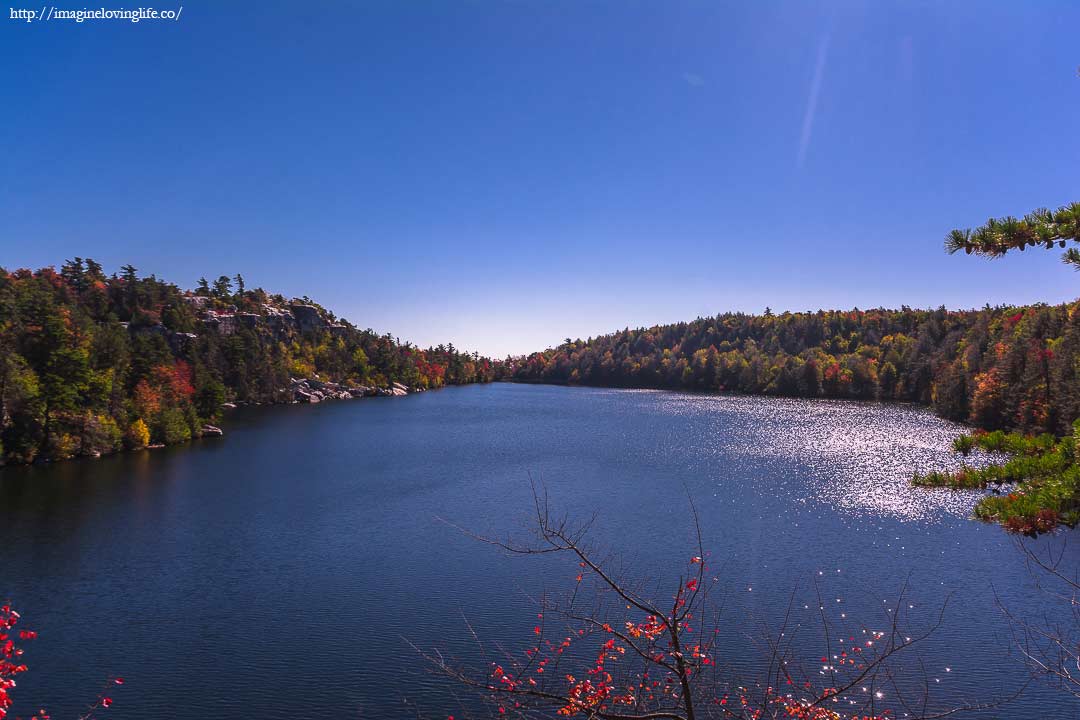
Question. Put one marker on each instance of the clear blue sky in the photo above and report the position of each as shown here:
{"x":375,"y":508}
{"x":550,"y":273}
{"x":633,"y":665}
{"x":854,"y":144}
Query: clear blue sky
{"x":505,"y":174}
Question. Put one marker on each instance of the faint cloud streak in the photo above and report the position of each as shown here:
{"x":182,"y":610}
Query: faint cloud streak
{"x":694,"y":80}
{"x":907,"y":59}
{"x":811,"y":102}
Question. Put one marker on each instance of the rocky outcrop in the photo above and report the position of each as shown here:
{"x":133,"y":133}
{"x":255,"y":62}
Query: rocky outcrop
{"x":308,"y":318}
{"x":283,"y":323}
{"x":280,"y":322}
{"x":249,"y":320}
{"x":314,"y":390}
{"x":224,"y":323}
{"x":198,"y":301}
{"x":303,"y":395}
{"x":211,"y":431}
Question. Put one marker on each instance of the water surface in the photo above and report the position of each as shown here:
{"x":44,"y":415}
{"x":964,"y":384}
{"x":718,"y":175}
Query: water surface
{"x":277,"y":572}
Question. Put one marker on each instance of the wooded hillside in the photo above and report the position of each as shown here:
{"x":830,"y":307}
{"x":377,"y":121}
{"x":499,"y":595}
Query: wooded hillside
{"x":1003,"y":367}
{"x":90,"y":363}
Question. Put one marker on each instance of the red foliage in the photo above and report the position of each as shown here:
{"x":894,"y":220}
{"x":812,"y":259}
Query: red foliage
{"x":1043,"y":521}
{"x":671,"y":666}
{"x":175,"y":381}
{"x":147,"y":399}
{"x":10,"y":666}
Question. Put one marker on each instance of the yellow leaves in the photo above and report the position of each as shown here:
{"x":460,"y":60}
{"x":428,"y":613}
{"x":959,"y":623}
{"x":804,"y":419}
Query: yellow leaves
{"x":137,"y":435}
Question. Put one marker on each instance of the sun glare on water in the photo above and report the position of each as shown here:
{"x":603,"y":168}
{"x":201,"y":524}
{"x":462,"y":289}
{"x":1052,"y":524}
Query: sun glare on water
{"x":860,"y":456}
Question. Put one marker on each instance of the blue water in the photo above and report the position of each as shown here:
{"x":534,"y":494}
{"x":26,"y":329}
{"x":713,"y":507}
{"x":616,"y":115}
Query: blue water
{"x":281,"y":571}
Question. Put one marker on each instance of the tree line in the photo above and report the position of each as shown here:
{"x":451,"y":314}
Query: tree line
{"x":999,"y":367}
{"x":91,"y":363}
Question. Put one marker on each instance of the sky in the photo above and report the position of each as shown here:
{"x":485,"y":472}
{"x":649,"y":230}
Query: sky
{"x":503,"y":175}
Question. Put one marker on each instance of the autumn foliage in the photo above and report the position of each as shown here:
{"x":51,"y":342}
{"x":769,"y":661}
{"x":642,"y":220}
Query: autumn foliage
{"x":12,"y":665}
{"x":1001,"y":367}
{"x":91,"y":363}
{"x":609,"y":650}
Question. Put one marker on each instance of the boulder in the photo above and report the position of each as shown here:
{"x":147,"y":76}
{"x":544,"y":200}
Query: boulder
{"x":306,"y":396}
{"x":212,"y":431}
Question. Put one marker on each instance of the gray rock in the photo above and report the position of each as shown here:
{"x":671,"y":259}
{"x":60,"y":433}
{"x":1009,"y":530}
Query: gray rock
{"x":307,"y":317}
{"x":199,"y":301}
{"x":307,"y":396}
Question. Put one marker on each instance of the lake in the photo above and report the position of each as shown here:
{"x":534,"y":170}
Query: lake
{"x":279,"y":572}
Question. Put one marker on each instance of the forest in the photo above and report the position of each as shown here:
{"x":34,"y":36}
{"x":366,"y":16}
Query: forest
{"x":92,"y":363}
{"x":996,"y":368}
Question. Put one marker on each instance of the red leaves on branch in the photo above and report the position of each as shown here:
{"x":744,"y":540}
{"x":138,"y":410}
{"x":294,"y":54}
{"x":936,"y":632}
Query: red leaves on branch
{"x":9,"y":654}
{"x":9,"y":667}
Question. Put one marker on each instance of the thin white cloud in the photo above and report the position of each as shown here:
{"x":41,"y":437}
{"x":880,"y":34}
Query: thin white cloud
{"x":692,"y":79}
{"x":811,"y":103}
{"x":907,"y":59}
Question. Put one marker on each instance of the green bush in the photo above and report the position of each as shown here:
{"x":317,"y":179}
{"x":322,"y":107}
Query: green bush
{"x":964,"y":444}
{"x":171,"y":427}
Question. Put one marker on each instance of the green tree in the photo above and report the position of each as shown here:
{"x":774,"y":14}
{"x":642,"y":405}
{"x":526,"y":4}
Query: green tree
{"x":209,"y":397}
{"x":223,"y":288}
{"x":1040,"y":227}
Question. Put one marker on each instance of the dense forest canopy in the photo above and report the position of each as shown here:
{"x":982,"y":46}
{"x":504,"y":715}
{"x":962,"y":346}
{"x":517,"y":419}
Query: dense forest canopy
{"x":999,"y":367}
{"x":90,"y":363}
